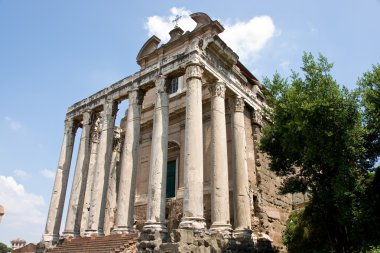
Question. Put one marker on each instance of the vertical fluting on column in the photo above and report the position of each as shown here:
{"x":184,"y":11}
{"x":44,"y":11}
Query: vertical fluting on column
{"x":57,"y":201}
{"x":101,"y":174}
{"x":220,"y":210}
{"x":155,"y":219}
{"x":242,"y":213}
{"x":75,"y":207}
{"x":95,"y":136}
{"x":110,"y":211}
{"x":129,"y":165}
{"x":193,"y":170}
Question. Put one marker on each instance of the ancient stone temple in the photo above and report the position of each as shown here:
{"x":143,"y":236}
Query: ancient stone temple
{"x":182,"y":172}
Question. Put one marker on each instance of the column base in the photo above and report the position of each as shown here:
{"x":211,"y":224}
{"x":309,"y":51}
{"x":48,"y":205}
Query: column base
{"x":154,"y":231}
{"x":90,"y":233}
{"x":50,"y":240}
{"x":194,"y":223}
{"x":222,"y":228}
{"x":242,"y":234}
{"x":151,"y":227}
{"x":67,"y":234}
{"x":123,"y":230}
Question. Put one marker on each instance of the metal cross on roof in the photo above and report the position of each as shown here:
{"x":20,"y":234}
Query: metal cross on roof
{"x":176,"y":19}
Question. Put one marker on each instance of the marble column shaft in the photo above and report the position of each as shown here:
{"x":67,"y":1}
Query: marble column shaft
{"x":101,"y":174}
{"x":95,"y":136}
{"x":193,"y":170}
{"x":155,"y":220}
{"x":110,"y":213}
{"x":242,"y":213}
{"x":57,"y":201}
{"x":129,"y":165}
{"x":75,"y":207}
{"x":220,"y":210}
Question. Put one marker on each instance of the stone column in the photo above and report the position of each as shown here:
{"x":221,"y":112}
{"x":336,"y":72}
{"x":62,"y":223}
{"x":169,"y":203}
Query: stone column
{"x":242,"y":213}
{"x":220,"y":209}
{"x":129,"y":165}
{"x":57,"y":201}
{"x":75,"y":207}
{"x":193,"y":170}
{"x":101,"y":174}
{"x":95,"y":136}
{"x":110,"y":212}
{"x":155,"y":217}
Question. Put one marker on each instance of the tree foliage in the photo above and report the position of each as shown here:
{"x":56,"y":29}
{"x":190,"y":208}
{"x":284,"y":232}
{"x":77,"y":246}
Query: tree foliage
{"x":369,"y":89}
{"x":4,"y":248}
{"x":317,"y":141}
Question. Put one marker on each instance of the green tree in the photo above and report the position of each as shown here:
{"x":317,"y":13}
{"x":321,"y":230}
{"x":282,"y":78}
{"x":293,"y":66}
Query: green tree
{"x":369,"y":88}
{"x":4,"y":248}
{"x":316,"y":141}
{"x":369,"y":91}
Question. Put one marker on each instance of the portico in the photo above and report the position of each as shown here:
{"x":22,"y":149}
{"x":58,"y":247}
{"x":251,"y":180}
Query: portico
{"x":191,"y":92}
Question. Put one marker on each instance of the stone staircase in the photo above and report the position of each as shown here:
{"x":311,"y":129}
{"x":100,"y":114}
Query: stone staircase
{"x":125,"y":243}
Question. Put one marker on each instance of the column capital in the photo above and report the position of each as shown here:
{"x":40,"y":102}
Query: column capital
{"x":97,"y":128}
{"x":237,"y":104}
{"x":257,"y":118}
{"x":136,"y":96}
{"x":87,"y":118}
{"x":110,"y":107}
{"x":161,"y":83}
{"x":217,"y":89}
{"x":70,"y":126}
{"x":116,"y":144}
{"x":194,"y":70}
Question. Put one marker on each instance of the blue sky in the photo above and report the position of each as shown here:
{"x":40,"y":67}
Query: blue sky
{"x":54,"y":53}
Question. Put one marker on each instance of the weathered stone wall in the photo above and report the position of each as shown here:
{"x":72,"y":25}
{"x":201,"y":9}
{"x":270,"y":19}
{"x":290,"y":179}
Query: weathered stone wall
{"x":270,"y":209}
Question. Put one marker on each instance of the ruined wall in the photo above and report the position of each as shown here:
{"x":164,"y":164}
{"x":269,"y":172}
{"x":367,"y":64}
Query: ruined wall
{"x":270,"y":209}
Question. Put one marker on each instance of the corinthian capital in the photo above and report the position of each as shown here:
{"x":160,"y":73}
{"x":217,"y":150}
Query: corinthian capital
{"x":109,"y":108}
{"x":70,"y":126}
{"x":237,"y":104}
{"x":160,"y":83}
{"x":116,"y":144}
{"x":96,"y":128}
{"x":136,"y":96}
{"x":87,"y":116}
{"x":194,"y":70}
{"x":217,"y":89}
{"x":257,"y":118}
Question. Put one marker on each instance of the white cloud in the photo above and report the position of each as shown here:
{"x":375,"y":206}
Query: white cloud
{"x":246,"y":38}
{"x":20,"y":173}
{"x":12,"y":124}
{"x":162,"y":25}
{"x":23,"y":215}
{"x":47,"y":173}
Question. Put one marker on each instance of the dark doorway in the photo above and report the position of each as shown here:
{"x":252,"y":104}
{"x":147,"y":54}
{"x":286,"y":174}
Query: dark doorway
{"x":170,"y":179}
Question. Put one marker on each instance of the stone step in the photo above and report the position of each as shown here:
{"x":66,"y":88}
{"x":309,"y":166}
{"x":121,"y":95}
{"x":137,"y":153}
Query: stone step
{"x":104,"y":244}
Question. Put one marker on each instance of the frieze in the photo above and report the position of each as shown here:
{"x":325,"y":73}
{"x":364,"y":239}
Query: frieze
{"x":120,"y":89}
